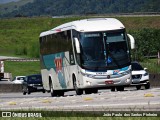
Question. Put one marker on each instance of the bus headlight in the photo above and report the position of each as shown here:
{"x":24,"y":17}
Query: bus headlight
{"x":125,"y":72}
{"x":87,"y":75}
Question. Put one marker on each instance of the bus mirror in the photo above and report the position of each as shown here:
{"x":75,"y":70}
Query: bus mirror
{"x":132,"y":41}
{"x":77,"y":45}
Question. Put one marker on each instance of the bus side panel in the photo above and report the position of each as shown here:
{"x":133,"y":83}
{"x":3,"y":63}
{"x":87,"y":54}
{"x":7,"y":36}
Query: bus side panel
{"x":58,"y":69}
{"x":45,"y":79}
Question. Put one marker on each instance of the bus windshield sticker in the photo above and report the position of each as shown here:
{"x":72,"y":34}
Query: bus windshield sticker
{"x":92,"y":35}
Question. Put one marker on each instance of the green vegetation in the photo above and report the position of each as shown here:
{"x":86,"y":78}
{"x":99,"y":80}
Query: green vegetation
{"x":152,"y":65}
{"x":79,"y":7}
{"x":22,"y":68}
{"x":20,"y":37}
{"x":11,"y":6}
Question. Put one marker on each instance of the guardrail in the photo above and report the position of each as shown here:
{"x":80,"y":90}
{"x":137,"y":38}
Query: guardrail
{"x":22,"y":60}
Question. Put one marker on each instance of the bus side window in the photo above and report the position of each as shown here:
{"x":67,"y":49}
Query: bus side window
{"x":69,"y":47}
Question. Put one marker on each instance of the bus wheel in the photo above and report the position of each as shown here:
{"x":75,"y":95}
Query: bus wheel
{"x":24,"y":93}
{"x":113,"y":89}
{"x":53,"y":92}
{"x":78,"y":91}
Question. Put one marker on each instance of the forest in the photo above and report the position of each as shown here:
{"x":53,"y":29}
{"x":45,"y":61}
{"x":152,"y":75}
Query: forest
{"x":83,"y":7}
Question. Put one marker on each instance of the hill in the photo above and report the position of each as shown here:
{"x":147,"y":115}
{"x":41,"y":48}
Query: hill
{"x":7,"y":1}
{"x":11,"y":5}
{"x":79,"y":7}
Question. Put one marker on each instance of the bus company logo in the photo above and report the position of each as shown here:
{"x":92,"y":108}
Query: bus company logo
{"x":6,"y":114}
{"x":115,"y":72}
{"x":58,"y":64}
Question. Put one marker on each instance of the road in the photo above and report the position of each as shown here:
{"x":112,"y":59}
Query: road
{"x":105,"y":100}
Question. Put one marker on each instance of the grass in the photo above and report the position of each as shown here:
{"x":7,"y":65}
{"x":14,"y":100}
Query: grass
{"x":20,"y":37}
{"x":152,"y":65}
{"x":27,"y":68}
{"x":24,"y":32}
{"x":9,"y":7}
{"x":22,"y":68}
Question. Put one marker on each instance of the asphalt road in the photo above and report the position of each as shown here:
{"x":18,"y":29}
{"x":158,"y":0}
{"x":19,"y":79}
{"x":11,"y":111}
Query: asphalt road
{"x":105,"y":100}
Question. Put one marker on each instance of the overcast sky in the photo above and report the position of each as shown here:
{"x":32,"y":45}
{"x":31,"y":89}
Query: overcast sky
{"x":6,"y":1}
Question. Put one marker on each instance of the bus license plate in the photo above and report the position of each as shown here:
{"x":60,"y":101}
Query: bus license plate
{"x":109,"y":82}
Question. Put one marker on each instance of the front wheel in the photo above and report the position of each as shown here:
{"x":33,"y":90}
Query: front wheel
{"x":53,"y":92}
{"x":43,"y":91}
{"x":24,"y":93}
{"x":113,"y":89}
{"x":147,"y":86}
{"x":78,"y":91}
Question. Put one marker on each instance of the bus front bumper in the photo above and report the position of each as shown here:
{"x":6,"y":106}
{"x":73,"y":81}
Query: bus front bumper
{"x":102,"y":83}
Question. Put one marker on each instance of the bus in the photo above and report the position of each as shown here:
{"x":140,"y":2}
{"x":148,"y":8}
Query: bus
{"x":86,"y":55}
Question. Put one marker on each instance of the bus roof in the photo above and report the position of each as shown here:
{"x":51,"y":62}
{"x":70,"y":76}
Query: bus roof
{"x":88,"y":25}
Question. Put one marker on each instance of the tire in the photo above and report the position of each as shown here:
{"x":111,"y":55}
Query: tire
{"x":28,"y":91}
{"x":43,"y":91}
{"x":138,"y":87}
{"x":53,"y":92}
{"x":113,"y":89}
{"x":78,"y":91}
{"x":120,"y":88}
{"x":147,"y":86}
{"x":23,"y":90}
{"x":24,"y":93}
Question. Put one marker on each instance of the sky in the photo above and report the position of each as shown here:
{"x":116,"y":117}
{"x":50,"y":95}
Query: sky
{"x":6,"y":1}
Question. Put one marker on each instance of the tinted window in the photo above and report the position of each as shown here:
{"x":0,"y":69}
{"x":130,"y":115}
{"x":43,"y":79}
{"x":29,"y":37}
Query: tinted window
{"x":56,"y":43}
{"x":34,"y":79}
{"x":21,"y":78}
{"x":136,"y":66}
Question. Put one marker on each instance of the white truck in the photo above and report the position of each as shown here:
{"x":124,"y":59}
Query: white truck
{"x":4,"y":75}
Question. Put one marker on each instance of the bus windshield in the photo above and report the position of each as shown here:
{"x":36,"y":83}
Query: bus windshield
{"x":104,"y":50}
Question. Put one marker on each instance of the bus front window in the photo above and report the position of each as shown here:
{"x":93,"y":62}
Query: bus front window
{"x":104,"y":50}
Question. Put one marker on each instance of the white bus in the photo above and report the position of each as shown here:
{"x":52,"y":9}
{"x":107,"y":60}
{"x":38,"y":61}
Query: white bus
{"x":86,"y":55}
